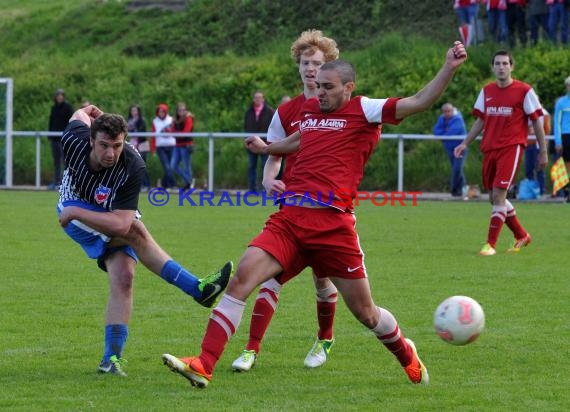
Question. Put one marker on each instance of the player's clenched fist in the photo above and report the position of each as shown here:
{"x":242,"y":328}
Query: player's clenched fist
{"x":456,"y":55}
{"x":255,"y":145}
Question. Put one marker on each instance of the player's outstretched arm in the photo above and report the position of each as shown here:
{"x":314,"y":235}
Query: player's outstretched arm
{"x":427,"y":96}
{"x":87,"y":114}
{"x":255,"y":144}
{"x":288,"y":145}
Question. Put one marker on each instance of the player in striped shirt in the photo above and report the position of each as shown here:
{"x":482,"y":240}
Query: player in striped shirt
{"x":98,"y":209}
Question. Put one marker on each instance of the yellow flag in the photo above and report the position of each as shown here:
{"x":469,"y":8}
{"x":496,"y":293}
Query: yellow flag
{"x":558,"y":175}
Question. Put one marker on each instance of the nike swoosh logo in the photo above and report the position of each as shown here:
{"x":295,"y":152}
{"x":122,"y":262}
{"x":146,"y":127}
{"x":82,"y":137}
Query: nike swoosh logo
{"x":257,"y":314}
{"x":350,"y":270}
{"x":217,"y":289}
{"x":293,"y":124}
{"x":488,"y":98}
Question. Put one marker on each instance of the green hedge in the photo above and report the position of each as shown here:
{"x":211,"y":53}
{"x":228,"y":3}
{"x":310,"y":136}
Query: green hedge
{"x":102,"y":52}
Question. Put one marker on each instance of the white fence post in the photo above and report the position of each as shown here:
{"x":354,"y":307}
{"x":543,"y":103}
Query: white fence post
{"x":210,"y":163}
{"x":38,"y":161}
{"x":400,"y":163}
{"x":9,"y":118}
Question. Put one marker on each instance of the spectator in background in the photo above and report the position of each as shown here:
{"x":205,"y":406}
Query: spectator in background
{"x":558,"y":16}
{"x":537,"y":17}
{"x":562,"y":128}
{"x":163,"y":144}
{"x":531,"y":168}
{"x":183,"y":123}
{"x":497,"y":19}
{"x":61,"y":112}
{"x":136,"y":124}
{"x":467,"y":11}
{"x":256,"y":120}
{"x":451,"y":123}
{"x":516,"y":22}
{"x":285,"y":99}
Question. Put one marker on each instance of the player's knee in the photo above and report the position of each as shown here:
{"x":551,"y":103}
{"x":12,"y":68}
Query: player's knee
{"x":240,"y":286}
{"x":322,"y":283}
{"x":123,"y":281}
{"x":137,"y":233}
{"x":368,"y":316}
{"x":328,"y":293}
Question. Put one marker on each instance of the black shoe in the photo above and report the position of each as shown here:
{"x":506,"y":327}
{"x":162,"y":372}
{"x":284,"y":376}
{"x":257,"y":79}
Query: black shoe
{"x":112,"y":366}
{"x":213,"y":285}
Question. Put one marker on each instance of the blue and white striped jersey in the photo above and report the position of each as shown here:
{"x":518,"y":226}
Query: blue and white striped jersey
{"x":115,"y":188}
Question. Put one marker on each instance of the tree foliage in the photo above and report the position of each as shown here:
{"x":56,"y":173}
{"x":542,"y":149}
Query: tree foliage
{"x":215,"y":54}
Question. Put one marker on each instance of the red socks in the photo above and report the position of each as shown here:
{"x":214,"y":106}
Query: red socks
{"x":388,"y":332}
{"x":498,"y":217}
{"x":224,"y":320}
{"x":263,"y":310}
{"x":513,"y":222}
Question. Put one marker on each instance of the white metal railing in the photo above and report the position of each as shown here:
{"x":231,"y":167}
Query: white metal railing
{"x":212,"y":136}
{"x":8,"y":132}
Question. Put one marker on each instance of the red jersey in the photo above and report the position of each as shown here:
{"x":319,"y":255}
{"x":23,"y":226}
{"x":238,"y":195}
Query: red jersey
{"x":285,"y":122}
{"x":506,"y":112}
{"x":335,"y":147}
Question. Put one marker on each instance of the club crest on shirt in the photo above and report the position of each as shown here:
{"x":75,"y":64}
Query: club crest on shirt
{"x":102,"y":194}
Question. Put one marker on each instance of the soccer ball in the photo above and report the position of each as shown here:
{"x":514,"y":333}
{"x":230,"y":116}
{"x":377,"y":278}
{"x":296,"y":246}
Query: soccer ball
{"x":459,"y":320}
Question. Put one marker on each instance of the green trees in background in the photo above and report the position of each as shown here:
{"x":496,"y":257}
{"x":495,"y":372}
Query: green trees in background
{"x":215,"y":53}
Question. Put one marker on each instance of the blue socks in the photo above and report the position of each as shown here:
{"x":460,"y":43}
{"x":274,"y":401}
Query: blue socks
{"x":176,"y":275}
{"x":115,"y":338}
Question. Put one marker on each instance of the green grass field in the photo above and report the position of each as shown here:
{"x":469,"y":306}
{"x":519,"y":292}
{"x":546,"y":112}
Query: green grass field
{"x":53,"y":300}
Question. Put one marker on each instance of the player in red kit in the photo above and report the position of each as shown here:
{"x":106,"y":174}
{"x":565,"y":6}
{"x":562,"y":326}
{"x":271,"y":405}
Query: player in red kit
{"x":310,"y":51}
{"x":336,"y":136}
{"x":503,"y":110}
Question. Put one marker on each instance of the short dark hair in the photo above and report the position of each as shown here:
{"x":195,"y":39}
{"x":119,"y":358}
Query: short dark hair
{"x":345,"y":70}
{"x":111,"y":124}
{"x":503,"y":53}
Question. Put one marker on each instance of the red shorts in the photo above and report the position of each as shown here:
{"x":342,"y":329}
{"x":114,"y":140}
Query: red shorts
{"x":323,"y":238}
{"x":500,"y":166}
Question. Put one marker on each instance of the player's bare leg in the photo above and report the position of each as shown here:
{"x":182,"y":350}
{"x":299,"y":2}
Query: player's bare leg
{"x":121,"y":271}
{"x":356,"y":294}
{"x":205,"y":290}
{"x":326,"y":307}
{"x":255,"y":267}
